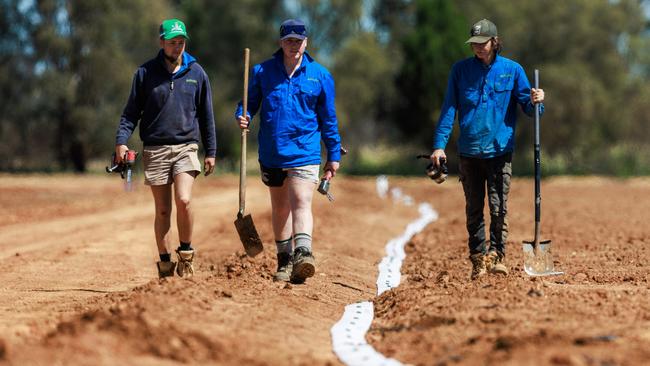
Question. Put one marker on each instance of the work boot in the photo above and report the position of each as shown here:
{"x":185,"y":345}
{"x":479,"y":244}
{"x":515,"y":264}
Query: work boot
{"x":185,"y":267}
{"x":304,"y":265}
{"x":478,"y":265}
{"x":495,"y":263}
{"x":165,"y":269}
{"x":284,"y":268}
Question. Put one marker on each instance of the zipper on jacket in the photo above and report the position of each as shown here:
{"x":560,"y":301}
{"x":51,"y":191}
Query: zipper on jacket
{"x":171,"y":85}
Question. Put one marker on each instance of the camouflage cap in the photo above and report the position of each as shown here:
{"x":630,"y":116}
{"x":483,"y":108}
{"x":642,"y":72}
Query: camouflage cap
{"x":482,"y":31}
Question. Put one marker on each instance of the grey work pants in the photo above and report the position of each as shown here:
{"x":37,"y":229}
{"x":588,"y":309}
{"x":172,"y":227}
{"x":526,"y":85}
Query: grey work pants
{"x":476,"y":175}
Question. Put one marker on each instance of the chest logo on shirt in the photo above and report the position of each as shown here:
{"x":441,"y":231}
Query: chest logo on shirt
{"x":505,"y":75}
{"x":191,"y":81}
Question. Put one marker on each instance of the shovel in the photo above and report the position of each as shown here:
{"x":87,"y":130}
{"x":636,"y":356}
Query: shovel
{"x":244,"y":223}
{"x":538,"y":260}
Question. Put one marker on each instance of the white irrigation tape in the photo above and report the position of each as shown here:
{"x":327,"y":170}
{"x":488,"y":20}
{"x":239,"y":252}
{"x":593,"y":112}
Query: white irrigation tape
{"x":349,"y":337}
{"x":349,"y":333}
{"x":389,"y":268}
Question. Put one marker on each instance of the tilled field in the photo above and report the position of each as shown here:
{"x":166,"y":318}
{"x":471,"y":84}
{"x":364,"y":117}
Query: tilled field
{"x":79,"y":283}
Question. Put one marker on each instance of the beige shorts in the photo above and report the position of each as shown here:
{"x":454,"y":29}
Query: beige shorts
{"x":162,"y":163}
{"x":307,"y":172}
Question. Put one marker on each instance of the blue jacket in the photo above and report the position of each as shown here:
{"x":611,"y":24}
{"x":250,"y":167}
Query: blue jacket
{"x":172,"y":109}
{"x":296,"y":113}
{"x":485,"y":98}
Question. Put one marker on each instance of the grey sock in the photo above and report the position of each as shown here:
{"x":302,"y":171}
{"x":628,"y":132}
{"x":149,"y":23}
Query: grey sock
{"x":284,"y":246}
{"x":302,"y":240}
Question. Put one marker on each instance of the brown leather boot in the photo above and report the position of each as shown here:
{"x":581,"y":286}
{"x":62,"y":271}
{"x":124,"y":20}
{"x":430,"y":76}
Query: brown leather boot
{"x":304,"y":265}
{"x":185,"y":268}
{"x":478,"y":265}
{"x":495,"y":263}
{"x":285,"y":265}
{"x":165,"y":269}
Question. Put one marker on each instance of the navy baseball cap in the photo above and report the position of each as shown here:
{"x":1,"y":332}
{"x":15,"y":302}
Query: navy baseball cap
{"x":293,"y":28}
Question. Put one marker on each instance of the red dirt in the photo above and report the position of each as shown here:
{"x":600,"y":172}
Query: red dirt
{"x":596,"y":314}
{"x":79,"y":286}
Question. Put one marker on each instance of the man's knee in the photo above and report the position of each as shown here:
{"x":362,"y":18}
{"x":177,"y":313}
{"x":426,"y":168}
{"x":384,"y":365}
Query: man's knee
{"x":163,"y":212}
{"x":281,"y":208}
{"x":183,"y":201}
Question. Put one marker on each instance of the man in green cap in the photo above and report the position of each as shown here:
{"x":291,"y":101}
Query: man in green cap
{"x":484,"y":91}
{"x":171,"y":98}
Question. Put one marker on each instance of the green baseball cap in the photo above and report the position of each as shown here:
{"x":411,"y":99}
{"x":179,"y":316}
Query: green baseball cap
{"x":482,"y":31}
{"x":171,"y":28}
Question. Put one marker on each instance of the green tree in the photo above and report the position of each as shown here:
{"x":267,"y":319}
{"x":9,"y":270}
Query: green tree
{"x":14,"y":51}
{"x":429,"y":51}
{"x":219,"y":32}
{"x":78,"y":59}
{"x":362,"y":71}
{"x":330,"y":23}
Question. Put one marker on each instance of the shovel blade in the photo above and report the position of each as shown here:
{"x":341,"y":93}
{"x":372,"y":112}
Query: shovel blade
{"x":248,"y":235}
{"x":538,"y":260}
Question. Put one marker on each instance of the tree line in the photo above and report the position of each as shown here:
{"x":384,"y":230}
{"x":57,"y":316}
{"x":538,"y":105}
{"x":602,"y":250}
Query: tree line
{"x":69,"y":63}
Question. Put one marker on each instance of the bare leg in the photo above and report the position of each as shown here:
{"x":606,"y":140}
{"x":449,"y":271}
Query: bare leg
{"x":162,"y":197}
{"x":183,"y":184}
{"x":281,"y":212}
{"x":300,"y":196}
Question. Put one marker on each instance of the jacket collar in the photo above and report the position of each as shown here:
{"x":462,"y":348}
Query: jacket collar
{"x":188,"y":60}
{"x":496,"y":59}
{"x":279,"y":57}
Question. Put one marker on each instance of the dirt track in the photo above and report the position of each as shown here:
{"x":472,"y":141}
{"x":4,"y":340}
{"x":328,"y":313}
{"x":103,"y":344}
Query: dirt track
{"x":79,"y":286}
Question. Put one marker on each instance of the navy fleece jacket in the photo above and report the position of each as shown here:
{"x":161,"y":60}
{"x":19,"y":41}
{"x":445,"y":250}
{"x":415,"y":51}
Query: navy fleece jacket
{"x":172,"y":109}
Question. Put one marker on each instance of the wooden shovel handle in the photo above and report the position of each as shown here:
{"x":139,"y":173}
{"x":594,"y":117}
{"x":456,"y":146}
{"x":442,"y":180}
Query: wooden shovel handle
{"x":244,"y":132}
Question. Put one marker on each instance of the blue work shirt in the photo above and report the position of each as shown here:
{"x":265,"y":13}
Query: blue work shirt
{"x":485,"y":98}
{"x":296,"y":113}
{"x":172,"y":108}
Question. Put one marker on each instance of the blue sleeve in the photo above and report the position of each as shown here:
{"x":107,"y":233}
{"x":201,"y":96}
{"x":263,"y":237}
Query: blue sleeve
{"x":132,"y":111}
{"x":206,"y":119}
{"x":328,"y":123}
{"x":254,"y":94}
{"x":447,"y":113}
{"x":522,"y":93}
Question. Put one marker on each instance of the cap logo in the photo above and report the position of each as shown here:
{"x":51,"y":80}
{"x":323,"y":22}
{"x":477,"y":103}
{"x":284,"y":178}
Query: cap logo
{"x":176,"y":28}
{"x":299,"y":30}
{"x":476,"y":30}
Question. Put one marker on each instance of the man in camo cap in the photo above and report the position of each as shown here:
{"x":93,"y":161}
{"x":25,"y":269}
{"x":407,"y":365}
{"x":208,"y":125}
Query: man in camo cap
{"x":484,"y":91}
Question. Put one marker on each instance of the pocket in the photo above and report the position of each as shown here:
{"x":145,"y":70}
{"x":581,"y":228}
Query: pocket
{"x":504,"y":84}
{"x":309,"y":92}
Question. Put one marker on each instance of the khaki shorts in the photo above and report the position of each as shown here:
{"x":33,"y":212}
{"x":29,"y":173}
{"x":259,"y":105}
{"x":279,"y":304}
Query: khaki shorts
{"x":307,"y":172}
{"x":162,"y":163}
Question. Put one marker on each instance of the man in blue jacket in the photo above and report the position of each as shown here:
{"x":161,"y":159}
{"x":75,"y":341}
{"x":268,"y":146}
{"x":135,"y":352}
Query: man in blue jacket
{"x":484,"y":91}
{"x":296,"y":96}
{"x":171,"y":98}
